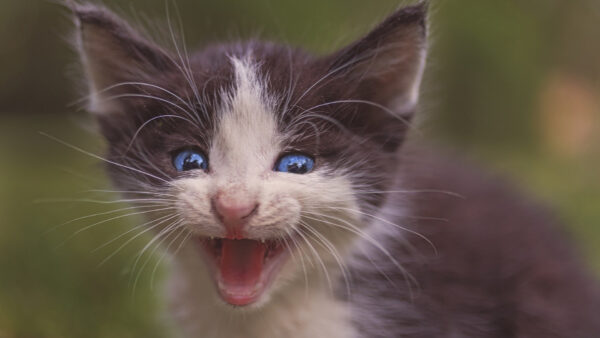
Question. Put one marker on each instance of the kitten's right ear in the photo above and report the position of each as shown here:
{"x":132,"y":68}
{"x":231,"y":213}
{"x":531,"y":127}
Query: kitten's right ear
{"x":113,"y":53}
{"x":382,"y":73}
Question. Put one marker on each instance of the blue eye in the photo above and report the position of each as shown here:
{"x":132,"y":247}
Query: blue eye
{"x":189,"y":160}
{"x":295,"y":164}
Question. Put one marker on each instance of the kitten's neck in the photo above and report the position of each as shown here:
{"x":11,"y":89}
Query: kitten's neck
{"x":299,"y":312}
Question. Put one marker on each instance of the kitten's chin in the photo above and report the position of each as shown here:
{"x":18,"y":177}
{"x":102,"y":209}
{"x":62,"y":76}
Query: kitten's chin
{"x":243,"y":269}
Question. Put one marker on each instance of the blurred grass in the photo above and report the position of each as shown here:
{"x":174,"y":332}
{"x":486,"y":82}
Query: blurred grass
{"x":490,"y":65}
{"x":51,"y":284}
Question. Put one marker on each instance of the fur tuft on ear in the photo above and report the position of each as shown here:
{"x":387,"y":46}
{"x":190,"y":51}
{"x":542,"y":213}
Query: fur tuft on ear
{"x":113,"y":53}
{"x":386,"y":66}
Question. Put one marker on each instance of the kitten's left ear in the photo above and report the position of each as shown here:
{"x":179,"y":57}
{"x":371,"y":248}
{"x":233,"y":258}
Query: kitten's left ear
{"x":386,"y":66}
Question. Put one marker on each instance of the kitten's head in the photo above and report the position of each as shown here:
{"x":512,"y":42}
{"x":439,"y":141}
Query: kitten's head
{"x":266,"y":159}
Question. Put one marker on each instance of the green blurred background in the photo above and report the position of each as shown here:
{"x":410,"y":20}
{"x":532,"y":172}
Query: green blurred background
{"x":514,"y":84}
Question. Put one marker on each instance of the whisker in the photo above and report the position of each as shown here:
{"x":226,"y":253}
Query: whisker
{"x":370,"y":103}
{"x":325,"y":243}
{"x":317,"y":257}
{"x":300,"y":254}
{"x":422,"y":191}
{"x":323,"y":78}
{"x":97,"y":214}
{"x":153,"y":240}
{"x":148,"y":201}
{"x":389,"y":223}
{"x":129,"y":241}
{"x":134,"y":83}
{"x":108,"y":220}
{"x":166,"y":252}
{"x":131,"y":192}
{"x":161,"y":220}
{"x":168,"y":231}
{"x":353,"y":229}
{"x":151,"y":97}
{"x":184,"y":67}
{"x":135,"y":135}
{"x":104,"y":159}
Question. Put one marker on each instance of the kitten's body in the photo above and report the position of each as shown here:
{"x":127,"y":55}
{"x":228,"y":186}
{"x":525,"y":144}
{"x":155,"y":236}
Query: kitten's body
{"x":494,"y":265}
{"x":501,"y":266}
{"x":374,"y":242}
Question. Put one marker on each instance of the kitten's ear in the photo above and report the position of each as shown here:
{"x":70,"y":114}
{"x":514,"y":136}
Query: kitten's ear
{"x":386,"y":66}
{"x":112,"y":53}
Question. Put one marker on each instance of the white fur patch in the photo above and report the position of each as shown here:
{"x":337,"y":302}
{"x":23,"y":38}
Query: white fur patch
{"x":414,"y":90}
{"x":408,"y":99}
{"x":300,"y":303}
{"x":247,"y":138}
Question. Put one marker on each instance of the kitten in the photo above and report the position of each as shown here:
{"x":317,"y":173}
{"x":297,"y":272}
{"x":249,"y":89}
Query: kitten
{"x":291,"y":207}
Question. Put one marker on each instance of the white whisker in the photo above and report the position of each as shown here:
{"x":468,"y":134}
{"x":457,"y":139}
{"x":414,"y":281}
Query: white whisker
{"x":389,"y":223}
{"x":167,"y":231}
{"x":104,"y":159}
{"x":325,"y":243}
{"x":166,"y":252}
{"x":162,"y":219}
{"x":317,"y":257}
{"x":132,"y":239}
{"x":99,"y":214}
{"x":110,"y":219}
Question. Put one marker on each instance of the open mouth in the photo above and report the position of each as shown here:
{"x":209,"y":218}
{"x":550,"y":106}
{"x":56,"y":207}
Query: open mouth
{"x":243,"y":268}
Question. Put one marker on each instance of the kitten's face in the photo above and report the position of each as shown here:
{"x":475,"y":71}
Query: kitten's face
{"x":247,"y":210}
{"x":266,"y":158}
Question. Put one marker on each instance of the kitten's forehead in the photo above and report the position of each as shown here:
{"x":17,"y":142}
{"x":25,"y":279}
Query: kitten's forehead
{"x":246,"y":138}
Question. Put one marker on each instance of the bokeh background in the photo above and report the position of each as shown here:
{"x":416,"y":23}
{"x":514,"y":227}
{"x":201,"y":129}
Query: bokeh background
{"x":513,"y":84}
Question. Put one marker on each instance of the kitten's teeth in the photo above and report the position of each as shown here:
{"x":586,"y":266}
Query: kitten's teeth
{"x":262,"y":240}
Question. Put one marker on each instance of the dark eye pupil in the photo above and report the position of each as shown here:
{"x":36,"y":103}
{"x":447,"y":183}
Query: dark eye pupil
{"x":295,"y":164}
{"x":191,"y":162}
{"x":297,"y":168}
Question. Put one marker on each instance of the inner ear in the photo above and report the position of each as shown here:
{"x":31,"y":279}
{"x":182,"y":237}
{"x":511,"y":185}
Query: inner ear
{"x":114,"y":54}
{"x":386,"y":66}
{"x":372,"y":86}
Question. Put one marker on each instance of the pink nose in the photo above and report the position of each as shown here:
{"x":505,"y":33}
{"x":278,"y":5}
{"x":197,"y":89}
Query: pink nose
{"x":234,"y":211}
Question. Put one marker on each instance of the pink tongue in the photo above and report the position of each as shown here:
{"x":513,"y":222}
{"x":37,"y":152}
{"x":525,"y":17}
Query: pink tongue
{"x":241,"y":265}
